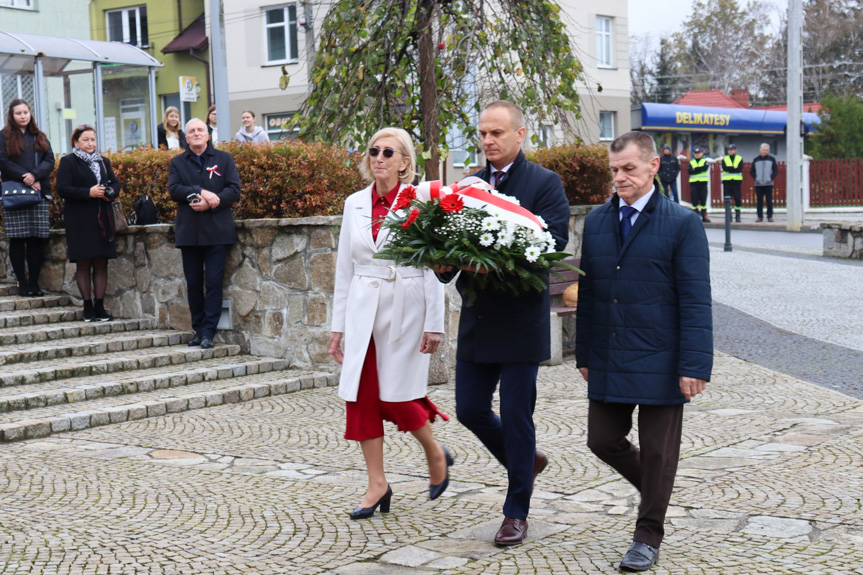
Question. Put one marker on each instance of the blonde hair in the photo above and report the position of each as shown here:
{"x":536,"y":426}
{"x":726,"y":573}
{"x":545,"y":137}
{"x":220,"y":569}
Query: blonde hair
{"x":168,"y":130}
{"x":406,"y":176}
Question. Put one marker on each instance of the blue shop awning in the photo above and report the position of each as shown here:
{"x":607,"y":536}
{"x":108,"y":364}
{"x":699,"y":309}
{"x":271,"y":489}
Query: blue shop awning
{"x":677,"y":118}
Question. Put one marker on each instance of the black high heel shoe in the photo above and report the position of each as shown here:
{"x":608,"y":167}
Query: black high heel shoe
{"x":436,"y":491}
{"x":366,"y":512}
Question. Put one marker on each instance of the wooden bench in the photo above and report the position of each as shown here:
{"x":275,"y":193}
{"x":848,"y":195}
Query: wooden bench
{"x":557,"y":284}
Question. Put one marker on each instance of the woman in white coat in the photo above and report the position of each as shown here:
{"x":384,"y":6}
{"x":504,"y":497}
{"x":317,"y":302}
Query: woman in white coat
{"x":392,"y":320}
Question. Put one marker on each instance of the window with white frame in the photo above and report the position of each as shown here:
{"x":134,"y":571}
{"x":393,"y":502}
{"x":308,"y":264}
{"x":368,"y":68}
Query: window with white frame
{"x":27,"y":4}
{"x":280,"y":31}
{"x":603,"y":42}
{"x":606,"y":125}
{"x":128,"y":25}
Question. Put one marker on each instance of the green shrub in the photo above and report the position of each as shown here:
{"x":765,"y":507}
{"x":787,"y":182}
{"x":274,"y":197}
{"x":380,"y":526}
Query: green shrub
{"x":583,"y":169}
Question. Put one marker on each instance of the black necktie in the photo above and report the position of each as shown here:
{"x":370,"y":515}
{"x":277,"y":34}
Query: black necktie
{"x":626,"y":220}
{"x":498,"y":176}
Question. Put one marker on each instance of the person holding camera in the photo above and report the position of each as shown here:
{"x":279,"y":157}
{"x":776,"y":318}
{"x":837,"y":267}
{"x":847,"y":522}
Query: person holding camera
{"x":88,"y":184}
{"x":205,"y":184}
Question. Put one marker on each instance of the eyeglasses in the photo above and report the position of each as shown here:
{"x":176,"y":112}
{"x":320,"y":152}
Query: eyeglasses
{"x":387,"y":152}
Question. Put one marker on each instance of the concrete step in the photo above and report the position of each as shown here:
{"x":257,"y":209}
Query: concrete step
{"x":89,"y":345}
{"x":17,"y":303}
{"x":66,"y":368}
{"x":69,"y":329}
{"x":74,"y":390}
{"x":48,"y":315}
{"x":8,"y":289}
{"x":56,"y":419}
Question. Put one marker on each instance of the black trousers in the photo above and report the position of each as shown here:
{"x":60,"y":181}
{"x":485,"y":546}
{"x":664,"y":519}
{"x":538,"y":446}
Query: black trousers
{"x":204,"y":267}
{"x":699,"y":195}
{"x":764,"y":195}
{"x":652,"y":467}
{"x":510,"y":437}
{"x":732,"y":188}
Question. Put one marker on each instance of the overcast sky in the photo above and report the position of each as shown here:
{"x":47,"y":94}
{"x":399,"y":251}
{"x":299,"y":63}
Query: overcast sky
{"x":662,"y":17}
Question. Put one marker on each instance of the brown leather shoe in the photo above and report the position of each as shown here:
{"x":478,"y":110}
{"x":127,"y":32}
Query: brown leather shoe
{"x":540,"y":462}
{"x":511,"y":532}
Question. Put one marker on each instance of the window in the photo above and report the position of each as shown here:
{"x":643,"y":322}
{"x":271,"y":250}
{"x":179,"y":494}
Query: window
{"x":603,"y":42}
{"x":280,"y":30}
{"x":279,"y":126}
{"x":606,"y":125}
{"x":128,"y":26}
{"x":28,"y":4}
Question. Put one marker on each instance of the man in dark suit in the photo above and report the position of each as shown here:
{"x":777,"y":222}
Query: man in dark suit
{"x":644,"y":332}
{"x":205,"y":183}
{"x":502,"y":338}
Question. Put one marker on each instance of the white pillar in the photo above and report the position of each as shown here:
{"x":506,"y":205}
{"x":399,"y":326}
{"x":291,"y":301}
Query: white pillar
{"x":794,"y":139}
{"x":40,"y":91}
{"x":154,"y":122}
{"x":219,"y":62}
{"x":806,"y":184}
{"x":100,"y":107}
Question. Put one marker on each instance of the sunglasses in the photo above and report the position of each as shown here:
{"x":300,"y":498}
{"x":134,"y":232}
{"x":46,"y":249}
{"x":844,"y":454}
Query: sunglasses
{"x":387,"y":152}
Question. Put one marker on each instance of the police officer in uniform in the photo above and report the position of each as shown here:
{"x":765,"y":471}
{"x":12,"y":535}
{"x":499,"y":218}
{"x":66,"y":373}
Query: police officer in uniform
{"x":698,"y":178}
{"x":732,"y":177}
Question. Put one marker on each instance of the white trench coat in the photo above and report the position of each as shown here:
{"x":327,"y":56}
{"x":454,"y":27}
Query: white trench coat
{"x":396,"y":304}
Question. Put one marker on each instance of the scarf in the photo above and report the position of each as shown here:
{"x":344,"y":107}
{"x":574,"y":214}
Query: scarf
{"x":92,"y":160}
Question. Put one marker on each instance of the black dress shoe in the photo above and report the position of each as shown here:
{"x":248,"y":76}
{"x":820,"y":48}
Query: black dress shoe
{"x":195,"y":341}
{"x":36,"y":292}
{"x":206,"y":343}
{"x":511,"y":532}
{"x":436,"y":491}
{"x":366,"y":512}
{"x":640,"y":557}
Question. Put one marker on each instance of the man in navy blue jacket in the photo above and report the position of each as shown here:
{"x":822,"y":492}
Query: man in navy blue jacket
{"x":502,"y":338}
{"x":644,"y":332}
{"x":205,"y":184}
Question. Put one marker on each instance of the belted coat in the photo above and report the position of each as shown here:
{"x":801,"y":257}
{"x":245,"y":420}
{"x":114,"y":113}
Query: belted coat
{"x":644,"y":305}
{"x":395,"y":304}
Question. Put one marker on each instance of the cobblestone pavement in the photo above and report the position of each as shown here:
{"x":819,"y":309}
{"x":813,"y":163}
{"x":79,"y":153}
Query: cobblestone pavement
{"x":769,"y":479}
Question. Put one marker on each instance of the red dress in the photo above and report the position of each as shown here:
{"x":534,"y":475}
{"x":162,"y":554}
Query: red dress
{"x":366,"y":415}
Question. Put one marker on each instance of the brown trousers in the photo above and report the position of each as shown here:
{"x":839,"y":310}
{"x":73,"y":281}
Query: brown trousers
{"x":652,"y":468}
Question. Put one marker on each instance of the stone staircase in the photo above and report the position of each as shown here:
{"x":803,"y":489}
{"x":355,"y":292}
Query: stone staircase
{"x":60,"y":374}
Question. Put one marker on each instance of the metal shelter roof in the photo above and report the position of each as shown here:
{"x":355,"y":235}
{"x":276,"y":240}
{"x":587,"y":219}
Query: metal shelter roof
{"x":18,"y":53}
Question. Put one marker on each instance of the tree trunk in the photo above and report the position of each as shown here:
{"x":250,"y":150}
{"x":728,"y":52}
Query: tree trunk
{"x":428,"y":87}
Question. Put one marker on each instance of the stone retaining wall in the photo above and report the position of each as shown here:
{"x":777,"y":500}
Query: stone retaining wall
{"x":279,"y":277}
{"x":843,"y":240}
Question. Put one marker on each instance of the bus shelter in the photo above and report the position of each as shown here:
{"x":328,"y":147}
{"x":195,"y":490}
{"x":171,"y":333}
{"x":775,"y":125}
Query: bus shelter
{"x":111,"y":84}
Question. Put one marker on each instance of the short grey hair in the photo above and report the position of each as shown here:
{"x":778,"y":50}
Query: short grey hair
{"x":764,"y":145}
{"x":515,"y":113}
{"x":189,"y":123}
{"x":644,"y":141}
{"x":407,"y":148}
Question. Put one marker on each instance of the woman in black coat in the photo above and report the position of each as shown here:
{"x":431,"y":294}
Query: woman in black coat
{"x":26,"y":157}
{"x":87,"y":183}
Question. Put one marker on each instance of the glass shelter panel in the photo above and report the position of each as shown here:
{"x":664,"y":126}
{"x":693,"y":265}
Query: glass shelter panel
{"x":125,"y":104}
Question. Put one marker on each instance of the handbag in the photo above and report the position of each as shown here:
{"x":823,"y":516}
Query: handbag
{"x":145,"y":211}
{"x":17,"y":196}
{"x":120,"y":223}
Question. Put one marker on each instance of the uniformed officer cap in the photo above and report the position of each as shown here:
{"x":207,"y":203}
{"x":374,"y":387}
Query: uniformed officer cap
{"x":666,"y":147}
{"x":697,"y":150}
{"x":732,"y":146}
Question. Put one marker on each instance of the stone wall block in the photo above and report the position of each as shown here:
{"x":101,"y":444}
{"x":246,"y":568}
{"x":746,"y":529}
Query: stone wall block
{"x":316,"y":310}
{"x":274,"y":323}
{"x":324,"y":239}
{"x":245,"y":301}
{"x":121,"y":274}
{"x":273,"y":296}
{"x":246,"y":278}
{"x":292,"y":273}
{"x":321,"y":268}
{"x":286,"y":246}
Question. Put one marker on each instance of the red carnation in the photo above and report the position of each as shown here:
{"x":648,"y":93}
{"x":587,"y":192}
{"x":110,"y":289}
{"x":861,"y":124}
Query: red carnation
{"x":411,"y":218}
{"x":405,"y":198}
{"x":451,"y":204}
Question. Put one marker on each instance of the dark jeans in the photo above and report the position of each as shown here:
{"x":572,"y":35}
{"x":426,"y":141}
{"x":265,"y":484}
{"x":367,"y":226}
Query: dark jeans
{"x":733,"y":189}
{"x":672,"y":190}
{"x":204,"y":267}
{"x":699,"y":195}
{"x":764,"y":194}
{"x":652,"y":468}
{"x":510,"y":437}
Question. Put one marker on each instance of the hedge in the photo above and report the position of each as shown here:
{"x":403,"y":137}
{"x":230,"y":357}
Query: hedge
{"x":297,"y":179}
{"x":583,"y":169}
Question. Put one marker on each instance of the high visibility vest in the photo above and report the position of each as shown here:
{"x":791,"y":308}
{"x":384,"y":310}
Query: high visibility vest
{"x":728,"y":162}
{"x":703,"y":176}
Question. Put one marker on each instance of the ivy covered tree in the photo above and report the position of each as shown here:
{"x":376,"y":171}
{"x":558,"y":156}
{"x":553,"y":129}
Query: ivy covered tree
{"x":428,"y":65}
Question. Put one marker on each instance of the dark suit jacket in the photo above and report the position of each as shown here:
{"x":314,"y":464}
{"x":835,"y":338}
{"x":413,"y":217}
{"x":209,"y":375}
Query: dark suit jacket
{"x":500,"y":327}
{"x":186,"y":176}
{"x":644,"y":306}
{"x":162,"y":136}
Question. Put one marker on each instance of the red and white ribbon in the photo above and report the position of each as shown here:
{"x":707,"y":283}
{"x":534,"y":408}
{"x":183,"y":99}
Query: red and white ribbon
{"x":476,"y":193}
{"x":213,"y":169}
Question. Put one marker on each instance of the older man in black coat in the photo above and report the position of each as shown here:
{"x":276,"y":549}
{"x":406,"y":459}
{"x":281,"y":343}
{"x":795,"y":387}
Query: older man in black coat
{"x":644,"y":332}
{"x":205,"y":184}
{"x":502,"y":338}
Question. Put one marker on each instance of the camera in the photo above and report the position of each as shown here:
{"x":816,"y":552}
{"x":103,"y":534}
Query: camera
{"x":193,"y":198}
{"x":110,"y":192}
